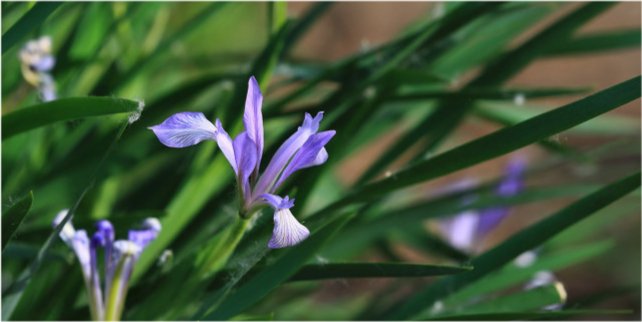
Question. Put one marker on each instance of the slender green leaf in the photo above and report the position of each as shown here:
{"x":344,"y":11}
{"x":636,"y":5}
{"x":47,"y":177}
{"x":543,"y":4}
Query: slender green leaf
{"x":598,"y":42}
{"x":373,"y":270}
{"x":312,"y":272}
{"x":13,"y":218}
{"x":500,"y":142}
{"x":32,"y":19}
{"x":63,"y":109}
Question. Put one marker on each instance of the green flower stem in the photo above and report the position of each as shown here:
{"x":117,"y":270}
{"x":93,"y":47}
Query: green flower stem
{"x":222,"y":250}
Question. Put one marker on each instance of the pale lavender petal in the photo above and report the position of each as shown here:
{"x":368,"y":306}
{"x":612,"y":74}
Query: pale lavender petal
{"x":307,"y":155}
{"x":286,"y":151}
{"x":184,"y":129}
{"x":287,"y":230}
{"x":245,"y":152}
{"x":511,"y":185}
{"x":276,"y":202}
{"x":47,"y":88}
{"x":253,"y":118}
{"x":152,"y":224}
{"x":489,"y":219}
{"x":460,"y":230}
{"x":126,"y":254}
{"x":96,"y":295}
{"x":143,"y":237}
{"x":68,"y":232}
{"x":81,"y":248}
{"x":225,"y":144}
{"x":44,"y":64}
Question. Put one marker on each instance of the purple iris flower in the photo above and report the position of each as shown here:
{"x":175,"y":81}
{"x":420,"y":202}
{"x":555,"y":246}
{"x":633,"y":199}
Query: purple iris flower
{"x":305,"y":148}
{"x":120,"y":258}
{"x":465,"y":230}
{"x":37,"y":62}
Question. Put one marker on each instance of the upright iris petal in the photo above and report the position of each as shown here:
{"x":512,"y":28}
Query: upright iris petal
{"x":253,"y":118}
{"x":286,"y":151}
{"x":245,"y":153}
{"x":310,"y":154}
{"x":184,"y":129}
{"x":287,"y":230}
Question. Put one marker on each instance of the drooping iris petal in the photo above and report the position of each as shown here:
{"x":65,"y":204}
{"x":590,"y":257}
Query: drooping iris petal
{"x":245,"y":153}
{"x":106,"y":231}
{"x":153,"y":224}
{"x":287,"y":230}
{"x":68,"y":232}
{"x":184,"y":129}
{"x":253,"y":118}
{"x":225,"y":144}
{"x":286,"y":151}
{"x":308,"y":155}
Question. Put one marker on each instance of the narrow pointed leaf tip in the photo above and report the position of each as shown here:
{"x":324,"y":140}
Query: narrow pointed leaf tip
{"x":185,"y":129}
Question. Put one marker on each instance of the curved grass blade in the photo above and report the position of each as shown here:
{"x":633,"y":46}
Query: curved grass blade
{"x":313,"y":272}
{"x":537,"y":315}
{"x":519,"y":243}
{"x":13,"y":218}
{"x":373,"y":270}
{"x":272,"y":276}
{"x":598,"y":42}
{"x":500,"y":142}
{"x":505,"y":67}
{"x":32,"y":19}
{"x":63,"y":109}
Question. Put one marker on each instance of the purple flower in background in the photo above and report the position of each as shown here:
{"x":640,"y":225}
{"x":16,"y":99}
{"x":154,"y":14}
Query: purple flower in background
{"x":37,"y":61}
{"x":305,"y":148}
{"x":465,"y":230}
{"x":120,"y":258}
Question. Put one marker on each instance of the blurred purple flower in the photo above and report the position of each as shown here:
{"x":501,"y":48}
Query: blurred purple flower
{"x":305,"y":148}
{"x":467,"y":229}
{"x":120,"y":258}
{"x":37,"y":61}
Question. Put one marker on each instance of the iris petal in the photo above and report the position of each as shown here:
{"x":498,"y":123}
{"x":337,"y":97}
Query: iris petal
{"x":253,"y":118}
{"x":307,"y":155}
{"x":287,"y":230}
{"x":286,"y":151}
{"x":184,"y":129}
